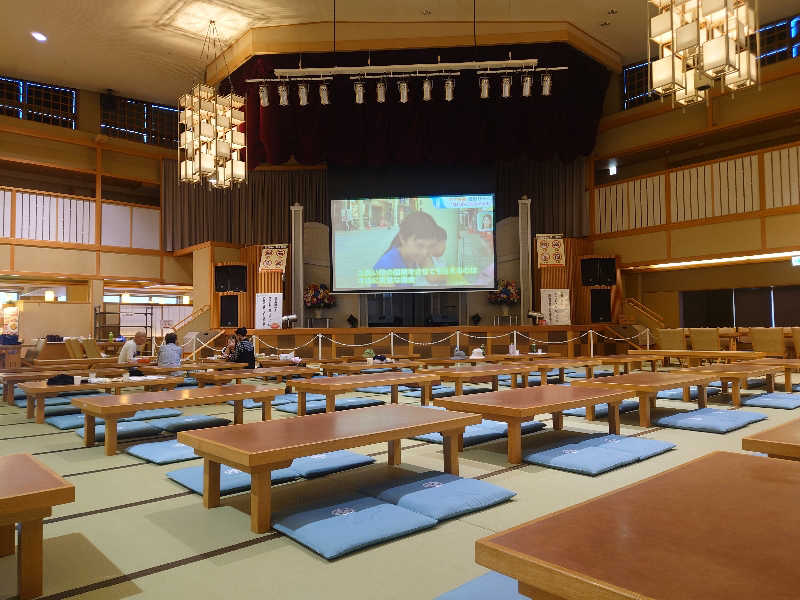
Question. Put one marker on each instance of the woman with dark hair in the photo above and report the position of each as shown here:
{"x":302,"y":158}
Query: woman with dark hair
{"x":415,"y":244}
{"x":169,"y":355}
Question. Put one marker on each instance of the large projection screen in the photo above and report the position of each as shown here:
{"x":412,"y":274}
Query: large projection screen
{"x":413,"y":244}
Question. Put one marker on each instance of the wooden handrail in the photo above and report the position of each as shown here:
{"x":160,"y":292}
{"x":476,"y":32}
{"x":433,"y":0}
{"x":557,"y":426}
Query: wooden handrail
{"x":194,"y":314}
{"x":645,"y":310}
{"x":192,"y":355}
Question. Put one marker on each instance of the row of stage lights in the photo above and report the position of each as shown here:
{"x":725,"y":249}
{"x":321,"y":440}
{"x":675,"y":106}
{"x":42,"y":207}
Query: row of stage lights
{"x":359,"y":88}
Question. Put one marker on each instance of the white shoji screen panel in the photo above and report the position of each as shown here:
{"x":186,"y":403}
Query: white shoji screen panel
{"x":116,"y":229}
{"x":782,"y":177}
{"x":692,"y":194}
{"x":146,"y":228}
{"x":5,"y":213}
{"x":736,"y":185}
{"x":56,"y":219}
{"x":630,"y":205}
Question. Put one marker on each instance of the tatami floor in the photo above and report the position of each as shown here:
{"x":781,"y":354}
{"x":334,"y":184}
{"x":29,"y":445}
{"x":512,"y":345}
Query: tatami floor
{"x":132,"y":533}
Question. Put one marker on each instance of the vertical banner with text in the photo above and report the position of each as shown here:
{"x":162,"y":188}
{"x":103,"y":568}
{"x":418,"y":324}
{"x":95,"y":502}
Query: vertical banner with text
{"x":269,"y":311}
{"x":550,"y":249}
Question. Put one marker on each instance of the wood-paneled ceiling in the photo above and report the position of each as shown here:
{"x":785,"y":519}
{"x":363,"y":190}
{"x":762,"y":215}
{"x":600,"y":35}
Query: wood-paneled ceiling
{"x":150,"y":49}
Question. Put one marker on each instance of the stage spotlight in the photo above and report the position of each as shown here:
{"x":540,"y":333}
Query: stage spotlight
{"x":263,"y":95}
{"x":484,"y":85}
{"x":283,"y":94}
{"x":527,"y":84}
{"x":323,"y":94}
{"x":506,"y":89}
{"x":380,"y":92}
{"x":402,"y":87}
{"x":547,"y":84}
{"x":449,"y":88}
{"x":302,"y":94}
{"x":427,"y":87}
{"x":358,"y":89}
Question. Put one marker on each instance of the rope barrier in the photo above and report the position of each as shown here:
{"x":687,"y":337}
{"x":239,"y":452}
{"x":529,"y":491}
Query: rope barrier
{"x":585,"y":333}
{"x":354,"y":345}
{"x":487,"y":337}
{"x":640,"y":334}
{"x":286,"y":349}
{"x":425,"y":343}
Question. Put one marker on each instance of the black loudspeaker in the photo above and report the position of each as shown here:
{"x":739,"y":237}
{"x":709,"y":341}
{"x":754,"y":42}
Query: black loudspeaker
{"x":601,"y":305}
{"x":598,"y":271}
{"x":230,"y":278}
{"x":229,"y":311}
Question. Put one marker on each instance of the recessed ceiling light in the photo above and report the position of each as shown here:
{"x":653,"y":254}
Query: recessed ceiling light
{"x":39,"y":37}
{"x":605,"y":24}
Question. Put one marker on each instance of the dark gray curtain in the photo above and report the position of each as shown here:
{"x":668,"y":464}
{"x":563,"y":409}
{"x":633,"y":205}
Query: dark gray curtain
{"x":557,"y":191}
{"x":256,"y":212}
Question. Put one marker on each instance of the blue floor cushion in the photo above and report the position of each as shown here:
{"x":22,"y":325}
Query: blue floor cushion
{"x":54,"y":401}
{"x":188,"y":381}
{"x":581,"y":373}
{"x":68,"y":421}
{"x":485,"y":431}
{"x":597,"y":453}
{"x":440,"y":495}
{"x":333,"y":530}
{"x":73,"y":421}
{"x":125,"y":429}
{"x":382,"y":389}
{"x":318,"y":465}
{"x":491,"y":585}
{"x":751,"y":382}
{"x":186,"y":422}
{"x":318,"y":406}
{"x":774,"y":400}
{"x":247,"y":403}
{"x":712,"y":420}
{"x":601,"y":410}
{"x":376,"y":370}
{"x":796,"y":387}
{"x":61,"y":409}
{"x":436,"y":392}
{"x":287,"y":398}
{"x":162,"y":453}
{"x":231,"y":481}
{"x":677,"y":393}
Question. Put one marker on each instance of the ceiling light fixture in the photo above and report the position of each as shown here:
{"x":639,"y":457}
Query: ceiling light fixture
{"x":402,"y":89}
{"x":211,"y":143}
{"x":427,"y":89}
{"x":323,"y":94}
{"x":527,"y":84}
{"x":358,"y":91}
{"x":380,"y":92}
{"x":547,"y":84}
{"x":302,"y":94}
{"x":39,"y":37}
{"x":720,"y":261}
{"x":483,"y":83}
{"x":449,"y":89}
{"x":506,"y":87}
{"x":263,"y":95}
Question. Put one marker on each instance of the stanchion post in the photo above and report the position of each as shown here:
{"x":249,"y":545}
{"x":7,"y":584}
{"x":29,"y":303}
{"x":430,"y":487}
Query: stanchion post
{"x":391,"y":342}
{"x":648,"y":338}
{"x":319,"y":346}
{"x":458,"y":339}
{"x":515,"y":339}
{"x":591,"y":343}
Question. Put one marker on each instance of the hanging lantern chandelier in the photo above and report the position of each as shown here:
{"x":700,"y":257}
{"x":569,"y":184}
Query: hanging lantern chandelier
{"x":212,"y":141}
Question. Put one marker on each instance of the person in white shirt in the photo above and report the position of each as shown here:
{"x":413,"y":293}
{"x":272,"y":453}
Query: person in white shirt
{"x":130,"y":348}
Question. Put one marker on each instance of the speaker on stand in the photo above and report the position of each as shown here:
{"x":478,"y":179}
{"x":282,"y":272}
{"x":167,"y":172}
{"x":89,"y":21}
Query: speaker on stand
{"x":229,"y":310}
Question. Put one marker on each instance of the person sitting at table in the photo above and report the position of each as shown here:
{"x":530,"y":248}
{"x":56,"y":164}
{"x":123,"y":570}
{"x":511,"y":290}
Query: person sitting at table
{"x":169,"y":355}
{"x":130,"y":349}
{"x":242,"y":351}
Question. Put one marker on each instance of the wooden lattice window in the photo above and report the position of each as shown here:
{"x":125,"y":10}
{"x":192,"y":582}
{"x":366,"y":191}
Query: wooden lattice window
{"x":40,"y":102}
{"x":139,"y":121}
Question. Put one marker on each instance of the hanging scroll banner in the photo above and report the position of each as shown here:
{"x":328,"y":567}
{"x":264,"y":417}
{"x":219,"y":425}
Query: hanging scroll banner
{"x":273,"y":258}
{"x":550,"y":249}
{"x":269,"y":311}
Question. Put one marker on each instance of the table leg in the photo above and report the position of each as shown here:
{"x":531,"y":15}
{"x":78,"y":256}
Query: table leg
{"x":644,"y":408}
{"x":260,"y":500}
{"x":514,"y":442}
{"x":616,"y":369}
{"x":39,"y":401}
{"x":238,"y":412}
{"x":330,"y":402}
{"x":30,"y":406}
{"x":394,"y":452}
{"x":702,"y":396}
{"x":543,"y":376}
{"x":301,"y":404}
{"x":7,"y":539}
{"x":590,"y":413}
{"x":88,"y":430}
{"x":266,"y":409}
{"x":613,"y":418}
{"x":736,"y":394}
{"x":514,"y":380}
{"x":626,"y":368}
{"x":111,"y":437}
{"x":558,"y":421}
{"x":724,"y":386}
{"x":524,"y":378}
{"x":590,"y":372}
{"x":460,"y":442}
{"x":770,"y":382}
{"x":427,"y":393}
{"x":495,"y":383}
{"x":30,"y":562}
{"x":8,"y":393}
{"x":459,"y":387}
{"x":687,"y":393}
{"x":787,"y":380}
{"x":395,"y":396}
{"x":210,"y":483}
{"x":450,"y":451}
{"x":560,"y":375}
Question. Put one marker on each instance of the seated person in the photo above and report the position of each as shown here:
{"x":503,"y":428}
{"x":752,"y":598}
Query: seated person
{"x":169,"y":355}
{"x":130,"y":349}
{"x":242,"y":351}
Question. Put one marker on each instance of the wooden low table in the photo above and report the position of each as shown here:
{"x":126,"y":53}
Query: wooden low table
{"x":357,"y":367}
{"x":279,"y":373}
{"x":736,"y":374}
{"x":84,"y":363}
{"x":275,"y":362}
{"x":517,"y":406}
{"x":646,"y":385}
{"x":260,"y":448}
{"x":782,"y":441}
{"x":787,"y":364}
{"x":521,"y":357}
{"x":28,"y":492}
{"x":464,"y":374}
{"x":695,"y":357}
{"x":113,"y":408}
{"x":330,"y":386}
{"x":450,"y":362}
{"x":654,"y":539}
{"x":9,"y":380}
{"x":545,"y":365}
{"x":624,"y":362}
{"x":188,"y":367}
{"x":37,"y":391}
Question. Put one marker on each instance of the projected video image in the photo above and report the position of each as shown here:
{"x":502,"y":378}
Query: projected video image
{"x":434,"y":242}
